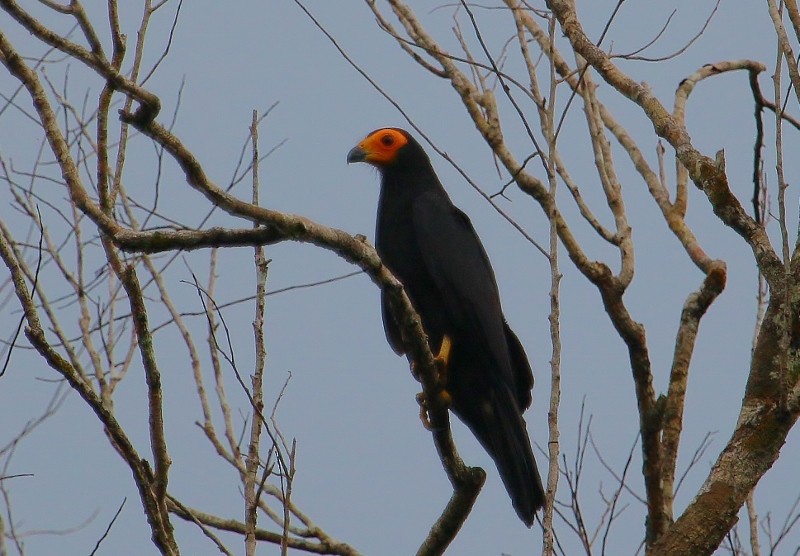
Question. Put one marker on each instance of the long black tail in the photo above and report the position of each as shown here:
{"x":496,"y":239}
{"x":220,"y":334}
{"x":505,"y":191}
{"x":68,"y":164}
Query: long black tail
{"x":502,"y":432}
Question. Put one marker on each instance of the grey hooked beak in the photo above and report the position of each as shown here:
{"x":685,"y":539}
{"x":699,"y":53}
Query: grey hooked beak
{"x":356,"y":154}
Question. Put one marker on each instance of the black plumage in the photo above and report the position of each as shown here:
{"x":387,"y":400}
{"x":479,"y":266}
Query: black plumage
{"x":432,"y":248}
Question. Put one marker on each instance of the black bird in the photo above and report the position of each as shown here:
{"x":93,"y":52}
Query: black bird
{"x":432,"y":248}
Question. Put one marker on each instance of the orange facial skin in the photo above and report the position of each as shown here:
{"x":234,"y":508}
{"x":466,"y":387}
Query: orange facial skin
{"x":379,"y":148}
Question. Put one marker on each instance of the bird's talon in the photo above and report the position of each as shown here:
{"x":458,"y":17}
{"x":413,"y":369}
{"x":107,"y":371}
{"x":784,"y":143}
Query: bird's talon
{"x":443,"y":397}
{"x":423,"y":411}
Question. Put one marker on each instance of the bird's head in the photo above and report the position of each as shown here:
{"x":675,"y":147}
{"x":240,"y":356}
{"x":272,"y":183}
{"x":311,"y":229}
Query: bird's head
{"x":382,"y":148}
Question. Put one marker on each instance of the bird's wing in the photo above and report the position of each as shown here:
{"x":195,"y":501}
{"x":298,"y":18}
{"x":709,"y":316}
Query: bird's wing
{"x":460,"y":269}
{"x":523,"y":373}
{"x":393,"y":334}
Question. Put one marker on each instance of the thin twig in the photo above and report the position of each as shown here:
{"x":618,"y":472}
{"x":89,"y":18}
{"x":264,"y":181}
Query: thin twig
{"x":108,"y":528}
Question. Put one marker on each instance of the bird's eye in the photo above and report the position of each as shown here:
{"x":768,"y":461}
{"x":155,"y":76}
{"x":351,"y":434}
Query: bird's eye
{"x":387,"y":140}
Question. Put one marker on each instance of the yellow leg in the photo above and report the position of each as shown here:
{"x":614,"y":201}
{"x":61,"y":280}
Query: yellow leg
{"x":442,"y":360}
